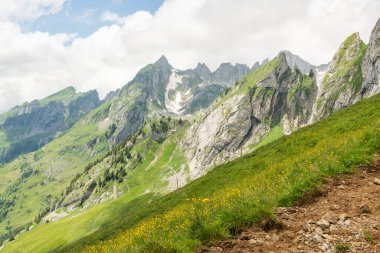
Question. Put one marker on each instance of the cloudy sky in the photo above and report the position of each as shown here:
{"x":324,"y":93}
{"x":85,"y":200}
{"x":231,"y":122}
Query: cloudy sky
{"x":46,"y":45}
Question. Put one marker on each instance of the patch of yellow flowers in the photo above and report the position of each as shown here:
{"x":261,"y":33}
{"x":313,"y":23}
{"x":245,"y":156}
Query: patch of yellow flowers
{"x":273,"y":181}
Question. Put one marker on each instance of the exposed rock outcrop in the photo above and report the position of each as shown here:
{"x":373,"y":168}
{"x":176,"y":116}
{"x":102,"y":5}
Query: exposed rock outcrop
{"x":203,"y":71}
{"x":343,"y":81}
{"x":80,"y":106}
{"x":286,"y":92}
{"x":295,"y":60}
{"x":190,"y":90}
{"x":371,"y":64}
{"x":352,"y":75}
{"x":229,"y":74}
{"x":283,"y":96}
{"x":111,"y":95}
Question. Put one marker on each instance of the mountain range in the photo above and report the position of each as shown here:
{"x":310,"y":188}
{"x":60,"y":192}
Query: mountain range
{"x":71,"y":153}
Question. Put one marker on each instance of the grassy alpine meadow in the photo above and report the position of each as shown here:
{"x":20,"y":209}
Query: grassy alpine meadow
{"x":247,"y":190}
{"x":160,"y":161}
{"x":230,"y":196}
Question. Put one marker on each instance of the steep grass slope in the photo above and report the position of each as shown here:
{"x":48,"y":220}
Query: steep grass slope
{"x":247,"y":189}
{"x":240,"y":192}
{"x":161,"y":161}
{"x":33,"y":182}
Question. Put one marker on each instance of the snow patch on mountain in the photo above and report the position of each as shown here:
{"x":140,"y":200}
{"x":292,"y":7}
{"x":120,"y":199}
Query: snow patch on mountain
{"x":177,"y":95}
{"x":174,"y":105}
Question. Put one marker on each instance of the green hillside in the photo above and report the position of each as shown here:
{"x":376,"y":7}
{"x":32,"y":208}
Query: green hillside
{"x":30,"y":126}
{"x":215,"y":206}
{"x":33,"y":184}
{"x":34,"y":181}
{"x":160,"y":161}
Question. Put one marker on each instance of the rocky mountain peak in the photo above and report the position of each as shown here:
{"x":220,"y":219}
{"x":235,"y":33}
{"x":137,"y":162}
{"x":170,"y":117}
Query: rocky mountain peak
{"x":242,"y":67}
{"x":255,"y":66}
{"x":162,"y":62}
{"x":271,"y":96}
{"x":228,"y":73}
{"x":347,"y":51}
{"x":283,"y":63}
{"x":203,"y":71}
{"x":375,"y":35}
{"x":295,"y":60}
{"x":201,"y":66}
{"x":64,"y":93}
{"x":225,"y":66}
{"x":343,"y":82}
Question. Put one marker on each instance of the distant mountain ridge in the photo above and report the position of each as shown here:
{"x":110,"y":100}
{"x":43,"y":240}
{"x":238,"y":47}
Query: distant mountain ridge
{"x":302,"y":65}
{"x":32,"y":125}
{"x":39,"y":121}
{"x":188,"y":91}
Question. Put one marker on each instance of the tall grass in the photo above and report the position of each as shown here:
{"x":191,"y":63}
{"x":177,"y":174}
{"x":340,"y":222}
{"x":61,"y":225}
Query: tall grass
{"x":247,"y":190}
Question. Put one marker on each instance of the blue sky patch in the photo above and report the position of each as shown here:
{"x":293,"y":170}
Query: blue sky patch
{"x":84,"y":16}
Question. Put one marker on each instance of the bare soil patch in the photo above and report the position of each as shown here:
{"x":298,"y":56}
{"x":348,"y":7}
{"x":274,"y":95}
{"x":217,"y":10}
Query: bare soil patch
{"x":342,"y":216}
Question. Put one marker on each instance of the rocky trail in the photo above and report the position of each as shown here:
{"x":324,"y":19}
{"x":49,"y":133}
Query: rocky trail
{"x":342,"y":216}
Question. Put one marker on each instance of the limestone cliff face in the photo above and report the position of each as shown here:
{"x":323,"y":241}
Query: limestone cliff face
{"x":287,"y":92}
{"x":275,"y":95}
{"x":144,"y":95}
{"x":111,"y":95}
{"x":352,"y":75}
{"x":229,"y":74}
{"x":371,"y":64}
{"x":80,"y":106}
{"x":203,"y":71}
{"x":302,"y":65}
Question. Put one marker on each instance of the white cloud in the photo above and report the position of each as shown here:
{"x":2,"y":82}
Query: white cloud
{"x":138,"y":21}
{"x":28,"y":9}
{"x":33,"y":65}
